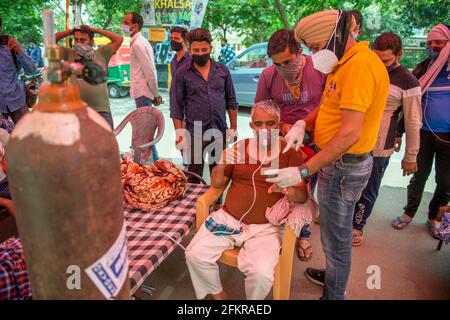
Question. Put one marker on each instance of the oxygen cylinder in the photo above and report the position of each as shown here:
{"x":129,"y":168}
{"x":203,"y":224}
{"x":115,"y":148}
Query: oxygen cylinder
{"x":64,"y":173}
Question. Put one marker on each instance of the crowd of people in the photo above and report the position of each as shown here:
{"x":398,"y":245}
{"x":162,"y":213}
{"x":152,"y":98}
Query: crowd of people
{"x":326,"y":122}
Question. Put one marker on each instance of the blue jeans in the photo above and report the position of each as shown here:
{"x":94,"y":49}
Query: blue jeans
{"x":147,"y":102}
{"x":365,"y":204}
{"x":305,"y":232}
{"x":340,"y":186}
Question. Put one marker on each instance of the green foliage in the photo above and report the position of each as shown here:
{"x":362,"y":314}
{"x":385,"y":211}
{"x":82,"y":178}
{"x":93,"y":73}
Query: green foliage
{"x":108,"y":14}
{"x":254,"y":20}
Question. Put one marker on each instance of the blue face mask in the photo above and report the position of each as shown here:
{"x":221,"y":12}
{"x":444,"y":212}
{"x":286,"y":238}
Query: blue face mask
{"x":433,"y":54}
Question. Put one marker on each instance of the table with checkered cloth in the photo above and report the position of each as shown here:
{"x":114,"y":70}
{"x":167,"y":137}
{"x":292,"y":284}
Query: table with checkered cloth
{"x":146,"y":250}
{"x":14,"y":283}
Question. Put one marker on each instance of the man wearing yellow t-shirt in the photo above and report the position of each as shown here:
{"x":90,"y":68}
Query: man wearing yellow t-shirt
{"x":345,"y":130}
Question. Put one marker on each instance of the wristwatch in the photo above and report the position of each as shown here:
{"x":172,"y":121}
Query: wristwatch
{"x":304,"y":172}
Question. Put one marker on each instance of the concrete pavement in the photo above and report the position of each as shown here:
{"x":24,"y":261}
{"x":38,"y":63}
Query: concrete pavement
{"x":409,"y":265}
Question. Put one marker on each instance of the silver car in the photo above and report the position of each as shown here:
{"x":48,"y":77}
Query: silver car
{"x":246,"y":68}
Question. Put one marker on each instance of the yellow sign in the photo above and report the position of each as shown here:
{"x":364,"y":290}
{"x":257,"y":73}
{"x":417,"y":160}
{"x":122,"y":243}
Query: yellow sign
{"x":156,"y":34}
{"x":173,"y":4}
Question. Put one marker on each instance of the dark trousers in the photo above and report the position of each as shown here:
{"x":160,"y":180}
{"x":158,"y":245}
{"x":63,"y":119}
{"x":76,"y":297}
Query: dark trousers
{"x":108,"y":117}
{"x":16,"y":115}
{"x":430,"y":148}
{"x":197,"y":166}
{"x":366,"y":202}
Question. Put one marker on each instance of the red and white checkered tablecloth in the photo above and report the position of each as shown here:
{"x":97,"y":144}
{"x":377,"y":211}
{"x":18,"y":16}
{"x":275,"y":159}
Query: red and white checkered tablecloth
{"x":146,"y":250}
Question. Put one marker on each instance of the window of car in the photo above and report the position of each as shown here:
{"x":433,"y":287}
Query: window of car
{"x":254,"y":58}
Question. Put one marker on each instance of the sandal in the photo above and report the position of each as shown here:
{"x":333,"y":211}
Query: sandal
{"x":357,"y":238}
{"x":434,"y":231}
{"x":399,"y":224}
{"x":302,"y":252}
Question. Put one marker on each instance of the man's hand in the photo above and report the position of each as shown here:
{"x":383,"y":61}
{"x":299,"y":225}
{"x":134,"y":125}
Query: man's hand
{"x":157,"y":100}
{"x":275,"y":188}
{"x":89,"y":28}
{"x":8,"y":204}
{"x":180,"y":140}
{"x":409,"y":168}
{"x":294,"y":138}
{"x":284,"y":128}
{"x":284,"y":178}
{"x":231,"y":136}
{"x":441,"y":212}
{"x":397,"y":144}
{"x":14,"y":45}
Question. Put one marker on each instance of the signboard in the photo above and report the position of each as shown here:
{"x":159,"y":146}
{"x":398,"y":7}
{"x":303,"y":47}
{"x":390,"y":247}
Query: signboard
{"x":189,"y":13}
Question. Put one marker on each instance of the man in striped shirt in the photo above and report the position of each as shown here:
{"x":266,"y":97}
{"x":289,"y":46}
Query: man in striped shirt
{"x":434,"y":78}
{"x":404,"y":98}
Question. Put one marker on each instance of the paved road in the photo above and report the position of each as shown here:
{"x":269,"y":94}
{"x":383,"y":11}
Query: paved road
{"x":121,"y":107}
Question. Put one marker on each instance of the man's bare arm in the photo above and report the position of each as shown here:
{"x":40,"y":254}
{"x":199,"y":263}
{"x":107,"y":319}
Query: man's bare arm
{"x":63,"y":34}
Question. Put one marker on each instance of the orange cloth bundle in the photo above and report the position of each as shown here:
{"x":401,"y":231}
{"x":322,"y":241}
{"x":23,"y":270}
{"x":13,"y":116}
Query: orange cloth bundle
{"x":151,"y":187}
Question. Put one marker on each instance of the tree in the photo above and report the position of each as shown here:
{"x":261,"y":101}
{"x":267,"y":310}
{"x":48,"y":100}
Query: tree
{"x":106,"y":14}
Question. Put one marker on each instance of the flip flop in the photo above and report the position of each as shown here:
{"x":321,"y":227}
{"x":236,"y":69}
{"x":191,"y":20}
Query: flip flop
{"x":400,"y":223}
{"x":303,"y":250}
{"x":434,"y":231}
{"x":357,"y":239}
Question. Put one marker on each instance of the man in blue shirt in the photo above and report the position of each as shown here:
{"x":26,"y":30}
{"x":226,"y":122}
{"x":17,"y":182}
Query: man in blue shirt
{"x":12,"y":92}
{"x":226,"y":54}
{"x":35,"y":53}
{"x":202,"y":91}
{"x":434,"y":78}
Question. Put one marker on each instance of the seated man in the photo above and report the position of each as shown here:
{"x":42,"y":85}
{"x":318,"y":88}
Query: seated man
{"x":242,"y":218}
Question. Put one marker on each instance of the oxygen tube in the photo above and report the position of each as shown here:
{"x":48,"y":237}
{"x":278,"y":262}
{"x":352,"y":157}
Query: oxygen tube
{"x":264,"y":139}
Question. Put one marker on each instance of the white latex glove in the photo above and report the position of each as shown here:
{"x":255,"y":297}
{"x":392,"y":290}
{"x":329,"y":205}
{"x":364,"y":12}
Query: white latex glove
{"x":294,"y":138}
{"x":284,"y":178}
{"x":231,"y":136}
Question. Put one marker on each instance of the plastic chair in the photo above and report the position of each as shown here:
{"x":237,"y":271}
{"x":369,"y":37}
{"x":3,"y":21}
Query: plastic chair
{"x":144,"y":122}
{"x":283,"y":269}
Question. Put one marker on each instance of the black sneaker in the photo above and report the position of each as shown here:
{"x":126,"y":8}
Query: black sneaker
{"x":316,"y":276}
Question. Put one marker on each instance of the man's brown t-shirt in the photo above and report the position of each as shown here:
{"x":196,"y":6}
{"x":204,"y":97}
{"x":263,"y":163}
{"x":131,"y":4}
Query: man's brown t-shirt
{"x":240,"y":194}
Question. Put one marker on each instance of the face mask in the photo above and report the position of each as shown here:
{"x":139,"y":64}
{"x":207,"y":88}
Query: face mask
{"x":176,"y":46}
{"x":433,"y":52}
{"x":201,"y":59}
{"x":325,"y":60}
{"x":391,"y":67}
{"x":84,"y":50}
{"x":126,"y":29}
{"x":291,"y":71}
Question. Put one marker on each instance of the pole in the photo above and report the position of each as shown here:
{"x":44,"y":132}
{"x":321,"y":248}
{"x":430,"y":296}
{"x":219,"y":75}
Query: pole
{"x":67,"y":21}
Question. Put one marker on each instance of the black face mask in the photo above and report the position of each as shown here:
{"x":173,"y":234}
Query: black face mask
{"x":201,"y":59}
{"x":176,"y":46}
{"x":341,"y":35}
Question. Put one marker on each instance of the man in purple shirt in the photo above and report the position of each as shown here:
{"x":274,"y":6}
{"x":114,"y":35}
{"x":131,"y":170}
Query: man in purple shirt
{"x":201,"y":94}
{"x":294,"y":84}
{"x":182,"y":57}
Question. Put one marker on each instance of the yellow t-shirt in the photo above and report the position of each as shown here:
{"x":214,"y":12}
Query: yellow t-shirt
{"x":359,"y":82}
